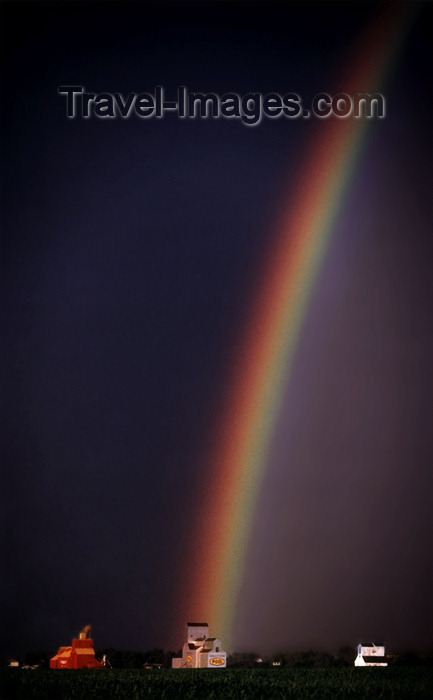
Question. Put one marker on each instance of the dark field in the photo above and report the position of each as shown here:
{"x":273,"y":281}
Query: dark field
{"x":397,"y":683}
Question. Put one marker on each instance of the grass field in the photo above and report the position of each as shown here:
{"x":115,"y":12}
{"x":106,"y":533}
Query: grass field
{"x":397,"y":683}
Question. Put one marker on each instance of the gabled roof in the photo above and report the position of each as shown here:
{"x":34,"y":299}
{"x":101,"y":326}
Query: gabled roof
{"x":64,"y":654}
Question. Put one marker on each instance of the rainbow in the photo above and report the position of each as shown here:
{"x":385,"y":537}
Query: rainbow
{"x":266,"y":351}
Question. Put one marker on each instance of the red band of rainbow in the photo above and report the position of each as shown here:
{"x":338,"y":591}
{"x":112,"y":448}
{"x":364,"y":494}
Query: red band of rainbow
{"x":266,"y":351}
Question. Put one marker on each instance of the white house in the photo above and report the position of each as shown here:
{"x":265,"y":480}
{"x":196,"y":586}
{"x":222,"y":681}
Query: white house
{"x":371,"y":655}
{"x":200,"y":650}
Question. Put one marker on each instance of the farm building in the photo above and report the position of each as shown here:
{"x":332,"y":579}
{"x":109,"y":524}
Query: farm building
{"x":80,"y":655}
{"x":371,"y":655}
{"x":200,"y":650}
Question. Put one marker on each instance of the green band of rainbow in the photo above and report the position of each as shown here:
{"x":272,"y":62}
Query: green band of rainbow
{"x":266,"y":352}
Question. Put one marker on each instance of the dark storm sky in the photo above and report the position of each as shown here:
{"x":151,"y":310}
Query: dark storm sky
{"x":130,"y":248}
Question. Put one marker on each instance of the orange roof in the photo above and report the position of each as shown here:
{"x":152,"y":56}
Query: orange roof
{"x":65,"y":654}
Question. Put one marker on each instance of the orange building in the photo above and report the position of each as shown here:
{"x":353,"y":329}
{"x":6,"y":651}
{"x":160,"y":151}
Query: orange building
{"x":80,"y":655}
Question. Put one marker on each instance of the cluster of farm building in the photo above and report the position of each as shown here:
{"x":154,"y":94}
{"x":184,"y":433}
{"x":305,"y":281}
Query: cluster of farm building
{"x":199,"y":651}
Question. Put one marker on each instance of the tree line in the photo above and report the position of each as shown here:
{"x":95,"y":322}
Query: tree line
{"x":158,"y":658}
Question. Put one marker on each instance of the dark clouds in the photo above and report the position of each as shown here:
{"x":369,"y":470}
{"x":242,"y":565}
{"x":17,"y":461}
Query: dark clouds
{"x":130,"y":250}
